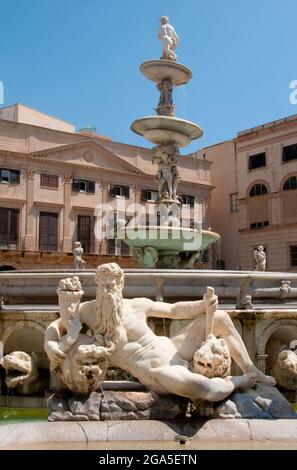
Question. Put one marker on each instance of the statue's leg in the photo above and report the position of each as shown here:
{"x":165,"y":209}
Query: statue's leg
{"x":189,"y":339}
{"x":224,"y":328}
{"x":178,"y":380}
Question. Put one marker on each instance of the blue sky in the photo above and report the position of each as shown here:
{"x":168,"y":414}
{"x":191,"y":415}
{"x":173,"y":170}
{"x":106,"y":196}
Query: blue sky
{"x":79,"y":60}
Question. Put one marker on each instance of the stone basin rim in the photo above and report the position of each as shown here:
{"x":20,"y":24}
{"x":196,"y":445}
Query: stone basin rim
{"x":157,"y":70}
{"x":181,"y":126}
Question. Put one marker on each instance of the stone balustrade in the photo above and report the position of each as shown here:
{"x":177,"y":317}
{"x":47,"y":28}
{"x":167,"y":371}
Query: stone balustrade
{"x":244,"y":288}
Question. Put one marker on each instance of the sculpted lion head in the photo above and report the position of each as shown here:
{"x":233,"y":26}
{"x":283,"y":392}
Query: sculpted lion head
{"x":212,"y":359}
{"x":285,"y":370}
{"x":84,"y":367}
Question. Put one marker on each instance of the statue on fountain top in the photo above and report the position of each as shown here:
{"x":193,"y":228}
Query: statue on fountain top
{"x":169,"y":38}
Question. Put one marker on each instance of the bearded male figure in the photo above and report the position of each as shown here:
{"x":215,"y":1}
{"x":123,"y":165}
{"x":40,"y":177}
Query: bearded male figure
{"x":162,"y":364}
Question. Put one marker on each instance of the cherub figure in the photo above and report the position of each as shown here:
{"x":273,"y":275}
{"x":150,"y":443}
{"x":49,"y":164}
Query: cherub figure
{"x":79,"y":263}
{"x":260,"y":258}
{"x":169,"y":38}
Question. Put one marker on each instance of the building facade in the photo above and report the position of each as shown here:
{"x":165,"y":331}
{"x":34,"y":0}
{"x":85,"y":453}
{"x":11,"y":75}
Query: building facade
{"x":55,"y":186}
{"x":255,"y":197}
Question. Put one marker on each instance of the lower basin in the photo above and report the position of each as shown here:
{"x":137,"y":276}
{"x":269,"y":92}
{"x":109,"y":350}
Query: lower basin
{"x":12,"y":414}
{"x":166,"y":247}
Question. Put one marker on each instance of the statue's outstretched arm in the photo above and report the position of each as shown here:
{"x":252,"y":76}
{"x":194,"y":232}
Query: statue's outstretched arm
{"x":178,"y":311}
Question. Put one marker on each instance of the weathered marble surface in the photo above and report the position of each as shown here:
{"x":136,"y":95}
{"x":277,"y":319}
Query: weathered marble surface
{"x":113,"y":405}
{"x":264,"y":402}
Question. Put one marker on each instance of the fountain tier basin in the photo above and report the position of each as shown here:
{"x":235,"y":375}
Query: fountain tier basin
{"x":159,"y":70}
{"x":166,"y":247}
{"x":166,"y":130}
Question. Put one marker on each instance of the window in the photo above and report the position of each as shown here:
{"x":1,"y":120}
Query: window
{"x":290,"y":153}
{"x":9,"y":228}
{"x":149,"y":195}
{"x":256,"y":225}
{"x":290,"y":183}
{"x":48,"y":231}
{"x":50,"y":181}
{"x":258,"y":189}
{"x":85,"y":232}
{"x":234,"y":202}
{"x":83,"y":186}
{"x":293,"y":255}
{"x":257,"y":161}
{"x":188,"y":200}
{"x":9,"y":176}
{"x":118,"y":190}
{"x":117,"y":247}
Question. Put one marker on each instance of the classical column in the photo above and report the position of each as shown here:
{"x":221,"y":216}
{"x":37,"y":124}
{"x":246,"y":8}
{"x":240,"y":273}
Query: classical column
{"x":261,"y":362}
{"x":97,"y":241}
{"x":67,"y":235}
{"x":249,"y":335}
{"x":31,"y":215}
{"x":137,"y":194}
{"x":103,"y":244}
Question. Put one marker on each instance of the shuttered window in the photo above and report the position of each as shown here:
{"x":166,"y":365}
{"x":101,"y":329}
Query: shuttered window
{"x":50,"y":181}
{"x":117,"y":247}
{"x":9,"y":228}
{"x":9,"y":176}
{"x":83,"y":186}
{"x":149,"y":195}
{"x":48,"y":231}
{"x":85,"y":232}
{"x":118,"y":190}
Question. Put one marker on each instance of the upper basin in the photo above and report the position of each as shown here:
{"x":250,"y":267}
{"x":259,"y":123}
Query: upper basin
{"x":166,"y":130}
{"x":159,"y":70}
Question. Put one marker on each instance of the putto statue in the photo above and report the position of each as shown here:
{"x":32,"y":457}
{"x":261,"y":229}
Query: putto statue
{"x":169,"y":38}
{"x":79,"y":263}
{"x":260,"y":258}
{"x":119,"y":335}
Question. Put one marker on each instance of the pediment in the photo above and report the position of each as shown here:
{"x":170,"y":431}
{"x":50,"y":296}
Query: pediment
{"x":90,"y":154}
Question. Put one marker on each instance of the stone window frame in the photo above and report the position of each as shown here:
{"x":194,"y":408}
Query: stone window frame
{"x":285,"y":146}
{"x":286,"y":180}
{"x":255,"y":183}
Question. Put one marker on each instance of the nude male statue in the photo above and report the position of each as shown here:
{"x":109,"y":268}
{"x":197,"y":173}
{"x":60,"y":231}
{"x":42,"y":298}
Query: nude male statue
{"x":160,"y":363}
{"x":260,"y":258}
{"x":169,"y":38}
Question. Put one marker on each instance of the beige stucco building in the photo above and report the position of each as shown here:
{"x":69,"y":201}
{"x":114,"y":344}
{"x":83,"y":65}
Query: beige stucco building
{"x":53,"y":180}
{"x":255,"y":197}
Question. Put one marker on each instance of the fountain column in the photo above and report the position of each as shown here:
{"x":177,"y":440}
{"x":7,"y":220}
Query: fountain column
{"x":169,"y":245}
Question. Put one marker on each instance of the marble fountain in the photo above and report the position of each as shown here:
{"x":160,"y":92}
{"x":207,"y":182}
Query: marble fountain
{"x":143,"y":364}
